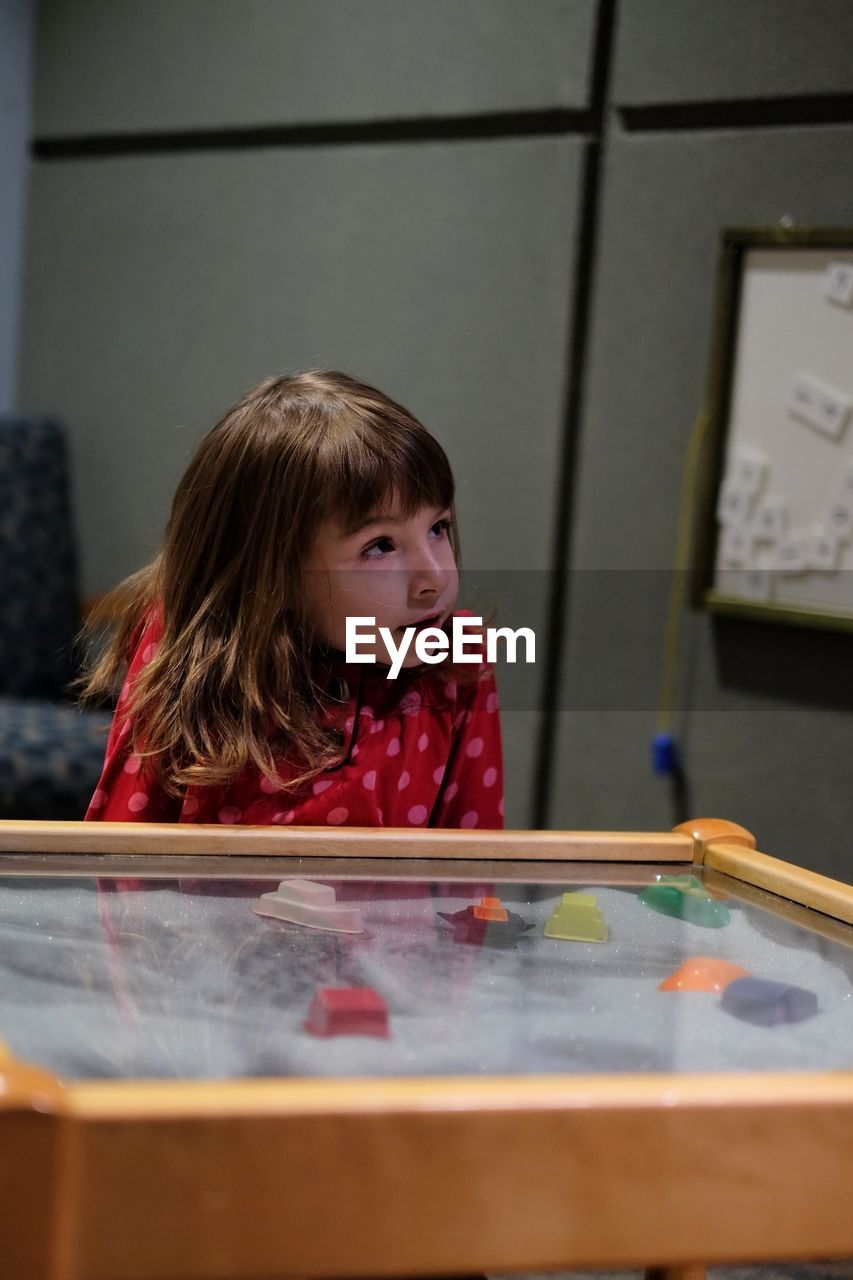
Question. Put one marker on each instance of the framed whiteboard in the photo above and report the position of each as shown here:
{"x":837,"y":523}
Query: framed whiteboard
{"x":776,"y":538}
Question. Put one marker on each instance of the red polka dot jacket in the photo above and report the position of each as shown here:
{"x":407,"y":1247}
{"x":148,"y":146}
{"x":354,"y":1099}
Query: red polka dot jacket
{"x":421,"y":753}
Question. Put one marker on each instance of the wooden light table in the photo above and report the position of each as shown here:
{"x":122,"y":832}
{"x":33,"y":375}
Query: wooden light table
{"x":539,"y":1107}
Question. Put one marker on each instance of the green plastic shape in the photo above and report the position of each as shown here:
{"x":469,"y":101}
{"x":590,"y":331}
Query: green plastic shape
{"x":577,"y":918}
{"x":686,"y":898}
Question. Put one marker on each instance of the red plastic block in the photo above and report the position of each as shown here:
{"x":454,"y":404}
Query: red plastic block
{"x":347,"y":1011}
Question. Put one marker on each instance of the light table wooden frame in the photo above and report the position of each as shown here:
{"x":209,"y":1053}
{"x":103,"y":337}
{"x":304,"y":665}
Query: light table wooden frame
{"x":263,"y":1179}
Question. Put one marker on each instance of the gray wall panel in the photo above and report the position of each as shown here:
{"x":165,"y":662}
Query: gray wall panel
{"x":159,"y":287}
{"x":665,"y":200}
{"x":672,"y":51}
{"x":441,"y":273}
{"x":601,"y":776}
{"x":113,"y":66}
{"x":17,"y":21}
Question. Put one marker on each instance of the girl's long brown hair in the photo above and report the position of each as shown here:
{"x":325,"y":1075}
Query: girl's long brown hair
{"x":232,"y":681}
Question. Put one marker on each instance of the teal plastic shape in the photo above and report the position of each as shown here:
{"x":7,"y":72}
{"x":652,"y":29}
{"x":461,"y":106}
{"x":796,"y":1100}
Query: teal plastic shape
{"x":685,"y":898}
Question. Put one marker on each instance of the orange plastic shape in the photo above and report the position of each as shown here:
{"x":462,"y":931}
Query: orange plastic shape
{"x":703,"y":973}
{"x":490,"y":909}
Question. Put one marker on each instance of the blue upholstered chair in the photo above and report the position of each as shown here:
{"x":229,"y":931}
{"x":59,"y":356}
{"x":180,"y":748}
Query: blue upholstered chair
{"x":50,"y":752}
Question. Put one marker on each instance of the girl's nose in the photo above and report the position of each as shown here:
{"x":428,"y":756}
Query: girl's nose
{"x":429,"y":578}
{"x":427,"y":582}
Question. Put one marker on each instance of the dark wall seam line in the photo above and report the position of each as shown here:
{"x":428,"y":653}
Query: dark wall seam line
{"x":758,"y":113}
{"x":501,"y":125}
{"x":556,"y":627}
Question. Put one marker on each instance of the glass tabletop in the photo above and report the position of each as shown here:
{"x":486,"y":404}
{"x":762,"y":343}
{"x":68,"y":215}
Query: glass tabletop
{"x":219,"y":975}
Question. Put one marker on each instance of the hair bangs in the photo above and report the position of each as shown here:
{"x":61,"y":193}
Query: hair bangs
{"x":374,"y":467}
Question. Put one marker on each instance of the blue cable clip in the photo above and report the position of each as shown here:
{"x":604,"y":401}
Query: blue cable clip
{"x":664,"y":754}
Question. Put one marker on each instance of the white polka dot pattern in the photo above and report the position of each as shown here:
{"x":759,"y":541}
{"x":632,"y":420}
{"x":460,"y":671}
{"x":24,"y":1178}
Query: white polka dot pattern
{"x":435,"y":750}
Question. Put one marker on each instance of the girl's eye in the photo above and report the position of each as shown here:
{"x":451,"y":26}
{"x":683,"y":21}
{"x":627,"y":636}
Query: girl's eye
{"x":378,"y":548}
{"x":383,"y":546}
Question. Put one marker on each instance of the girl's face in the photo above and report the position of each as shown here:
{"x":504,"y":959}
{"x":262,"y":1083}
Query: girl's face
{"x":399,"y":570}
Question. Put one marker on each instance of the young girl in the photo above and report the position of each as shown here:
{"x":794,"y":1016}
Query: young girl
{"x":315,"y":498}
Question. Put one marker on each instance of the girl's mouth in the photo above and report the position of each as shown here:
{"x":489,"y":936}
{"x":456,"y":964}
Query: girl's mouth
{"x":421,"y":626}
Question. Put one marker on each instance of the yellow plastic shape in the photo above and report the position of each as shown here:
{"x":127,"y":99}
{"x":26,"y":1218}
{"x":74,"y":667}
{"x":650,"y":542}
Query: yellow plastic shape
{"x":577,"y":918}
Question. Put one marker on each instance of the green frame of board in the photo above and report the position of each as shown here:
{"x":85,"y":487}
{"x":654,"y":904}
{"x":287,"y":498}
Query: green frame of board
{"x":735,"y":242}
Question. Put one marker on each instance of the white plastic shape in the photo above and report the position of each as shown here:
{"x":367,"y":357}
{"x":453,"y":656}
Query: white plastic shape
{"x":839,"y":522}
{"x":771,"y":519}
{"x":756,"y":583}
{"x":820,"y":406}
{"x":823,"y":550}
{"x":791,"y":553}
{"x":838,"y":283}
{"x":307,"y":903}
{"x":733,"y":505}
{"x":736,"y":545}
{"x":748,"y":470}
